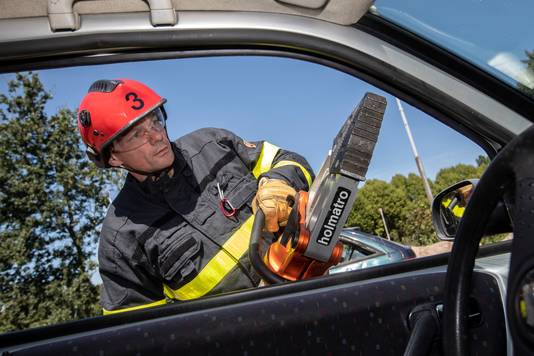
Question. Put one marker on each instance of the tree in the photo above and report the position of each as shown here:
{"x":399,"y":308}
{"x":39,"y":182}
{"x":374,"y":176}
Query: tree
{"x":376,"y":194}
{"x":52,"y":202}
{"x":449,"y":176}
{"x":415,"y":220}
{"x":530,"y":70}
{"x":482,"y":163}
{"x":404,"y":204}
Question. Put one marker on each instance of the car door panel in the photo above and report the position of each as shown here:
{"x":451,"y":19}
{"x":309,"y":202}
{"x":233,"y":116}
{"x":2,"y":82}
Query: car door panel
{"x":368,"y":317}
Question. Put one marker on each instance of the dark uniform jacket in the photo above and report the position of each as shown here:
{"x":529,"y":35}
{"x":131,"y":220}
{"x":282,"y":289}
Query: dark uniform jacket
{"x":169,"y":238}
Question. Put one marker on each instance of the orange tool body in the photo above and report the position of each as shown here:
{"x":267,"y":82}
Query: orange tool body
{"x":285,"y":256}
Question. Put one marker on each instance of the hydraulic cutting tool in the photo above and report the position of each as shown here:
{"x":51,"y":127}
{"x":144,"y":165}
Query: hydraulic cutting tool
{"x":309,"y":244}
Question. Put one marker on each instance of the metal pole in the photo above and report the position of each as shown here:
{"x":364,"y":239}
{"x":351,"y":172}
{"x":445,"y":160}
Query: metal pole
{"x":418,"y":160}
{"x":384,"y":222}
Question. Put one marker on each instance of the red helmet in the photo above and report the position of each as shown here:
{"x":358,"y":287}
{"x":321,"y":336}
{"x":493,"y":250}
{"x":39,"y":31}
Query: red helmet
{"x":109,"y":109}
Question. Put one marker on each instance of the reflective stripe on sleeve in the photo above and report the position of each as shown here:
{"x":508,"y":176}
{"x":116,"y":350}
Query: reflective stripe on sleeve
{"x":291,"y":163}
{"x":218,"y":267}
{"x":458,"y":211}
{"x":137,"y":307}
{"x":266,"y":158}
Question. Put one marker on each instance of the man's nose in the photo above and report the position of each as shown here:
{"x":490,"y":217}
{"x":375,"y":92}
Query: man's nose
{"x":155,"y":136}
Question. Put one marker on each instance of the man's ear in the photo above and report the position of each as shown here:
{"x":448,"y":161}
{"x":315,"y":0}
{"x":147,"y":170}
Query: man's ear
{"x":113,"y":160}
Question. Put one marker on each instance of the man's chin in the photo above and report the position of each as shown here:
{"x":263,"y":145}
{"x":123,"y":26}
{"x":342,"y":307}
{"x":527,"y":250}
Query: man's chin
{"x":165,"y":160}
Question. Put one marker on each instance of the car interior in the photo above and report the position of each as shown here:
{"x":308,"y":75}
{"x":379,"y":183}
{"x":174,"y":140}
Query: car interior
{"x":473,"y":300}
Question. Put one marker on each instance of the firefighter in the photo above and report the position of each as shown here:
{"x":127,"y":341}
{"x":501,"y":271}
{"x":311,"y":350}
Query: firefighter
{"x":179,"y":228}
{"x":453,"y":207}
{"x":457,"y":202}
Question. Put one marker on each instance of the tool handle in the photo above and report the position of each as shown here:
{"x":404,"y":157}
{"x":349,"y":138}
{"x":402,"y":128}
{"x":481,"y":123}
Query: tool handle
{"x":254,"y":254}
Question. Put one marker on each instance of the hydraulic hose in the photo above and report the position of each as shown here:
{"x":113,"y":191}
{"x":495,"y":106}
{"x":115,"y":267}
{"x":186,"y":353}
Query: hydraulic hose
{"x":254,"y":254}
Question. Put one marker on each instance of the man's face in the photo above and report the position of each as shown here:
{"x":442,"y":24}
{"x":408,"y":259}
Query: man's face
{"x":144,"y":147}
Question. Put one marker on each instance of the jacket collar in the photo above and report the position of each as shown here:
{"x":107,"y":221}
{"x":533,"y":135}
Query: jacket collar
{"x":158,"y":186}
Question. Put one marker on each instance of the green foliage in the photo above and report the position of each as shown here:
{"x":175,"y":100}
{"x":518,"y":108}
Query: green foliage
{"x":448,"y":176}
{"x":491,"y":239}
{"x":51,"y":204}
{"x":482,"y":162}
{"x":530,"y":69}
{"x":374,"y":195}
{"x":404,"y":204}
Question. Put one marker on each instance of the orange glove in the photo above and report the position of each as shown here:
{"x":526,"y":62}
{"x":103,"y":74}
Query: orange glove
{"x":275,"y":198}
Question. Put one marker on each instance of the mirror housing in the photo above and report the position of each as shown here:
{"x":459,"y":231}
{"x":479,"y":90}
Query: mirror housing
{"x":448,"y":207}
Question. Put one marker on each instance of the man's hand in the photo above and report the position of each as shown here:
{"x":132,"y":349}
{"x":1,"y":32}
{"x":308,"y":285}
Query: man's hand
{"x":465,"y":194}
{"x":275,"y":198}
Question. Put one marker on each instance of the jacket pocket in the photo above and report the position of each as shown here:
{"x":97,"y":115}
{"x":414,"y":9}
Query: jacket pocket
{"x":238,"y":189}
{"x":202,"y":212}
{"x":177,"y":253}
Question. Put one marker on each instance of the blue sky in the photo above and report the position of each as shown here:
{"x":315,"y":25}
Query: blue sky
{"x":492,"y":34}
{"x":294,"y":104}
{"x":489,"y":24}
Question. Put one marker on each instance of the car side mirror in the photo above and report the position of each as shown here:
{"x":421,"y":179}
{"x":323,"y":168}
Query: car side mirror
{"x":448,"y":208}
{"x":449,"y":205}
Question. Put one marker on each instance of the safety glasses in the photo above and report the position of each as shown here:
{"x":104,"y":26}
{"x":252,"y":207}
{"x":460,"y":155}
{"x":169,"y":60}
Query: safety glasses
{"x":142,"y":132}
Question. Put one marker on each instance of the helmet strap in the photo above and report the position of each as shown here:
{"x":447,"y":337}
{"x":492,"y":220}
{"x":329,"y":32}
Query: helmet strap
{"x":155,"y":174}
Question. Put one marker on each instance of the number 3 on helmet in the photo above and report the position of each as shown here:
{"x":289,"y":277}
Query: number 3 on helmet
{"x":109,"y":109}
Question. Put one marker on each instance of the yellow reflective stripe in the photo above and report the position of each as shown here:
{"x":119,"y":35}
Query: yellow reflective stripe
{"x":458,"y":211}
{"x":523,"y":308}
{"x":291,"y":163}
{"x":142,"y":306}
{"x":265,"y":160}
{"x":219,"y":266}
{"x":168,"y":291}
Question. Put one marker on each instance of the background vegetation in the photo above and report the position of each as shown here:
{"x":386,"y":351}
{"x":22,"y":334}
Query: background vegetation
{"x":51,"y":204}
{"x":404,"y":204}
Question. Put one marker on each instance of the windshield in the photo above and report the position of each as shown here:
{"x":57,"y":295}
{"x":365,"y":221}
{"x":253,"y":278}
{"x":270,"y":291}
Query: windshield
{"x":492,"y":34}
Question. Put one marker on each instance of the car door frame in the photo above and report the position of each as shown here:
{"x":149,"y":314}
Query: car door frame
{"x":364,"y":62}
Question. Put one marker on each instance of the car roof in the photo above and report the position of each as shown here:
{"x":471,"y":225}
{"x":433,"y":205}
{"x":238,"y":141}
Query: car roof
{"x":337,"y":11}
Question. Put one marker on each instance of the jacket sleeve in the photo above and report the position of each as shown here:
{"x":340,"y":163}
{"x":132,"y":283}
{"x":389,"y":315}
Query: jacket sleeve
{"x":293,"y":168}
{"x":267,"y":160}
{"x":125,"y":287}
